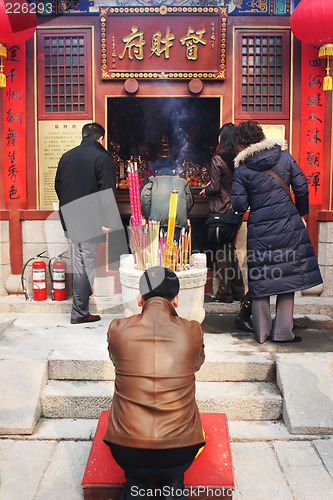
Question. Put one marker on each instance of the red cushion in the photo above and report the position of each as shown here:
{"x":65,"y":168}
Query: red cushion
{"x":211,"y":468}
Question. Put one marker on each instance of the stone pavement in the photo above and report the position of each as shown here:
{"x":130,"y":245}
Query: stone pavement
{"x":268,"y":460}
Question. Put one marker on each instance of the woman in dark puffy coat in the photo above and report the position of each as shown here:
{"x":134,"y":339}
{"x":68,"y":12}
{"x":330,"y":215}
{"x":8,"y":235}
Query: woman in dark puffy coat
{"x":280,"y":256}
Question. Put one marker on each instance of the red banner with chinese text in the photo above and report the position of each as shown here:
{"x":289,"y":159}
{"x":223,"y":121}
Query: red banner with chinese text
{"x":312,"y":121}
{"x":14,"y":108}
{"x":163,"y":42}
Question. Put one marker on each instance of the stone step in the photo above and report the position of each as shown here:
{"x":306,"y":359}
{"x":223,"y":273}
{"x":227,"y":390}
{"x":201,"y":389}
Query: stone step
{"x":76,"y":399}
{"x":306,"y":382}
{"x":22,"y":383}
{"x":304,"y":305}
{"x":97,"y":305}
{"x":72,"y":429}
{"x":219,"y":366}
{"x":239,"y":400}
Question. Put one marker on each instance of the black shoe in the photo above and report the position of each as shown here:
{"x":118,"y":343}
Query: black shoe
{"x":87,"y":319}
{"x":213,"y":298}
{"x":295,"y":339}
{"x":245,"y":325}
{"x":299,"y":326}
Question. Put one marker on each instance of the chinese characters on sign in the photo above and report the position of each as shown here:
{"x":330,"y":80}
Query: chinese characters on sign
{"x":14,"y":102}
{"x":157,"y":40}
{"x":164,"y":46}
{"x":312,"y":122}
{"x":191,"y":41}
{"x":54,"y":139}
{"x":136,"y":42}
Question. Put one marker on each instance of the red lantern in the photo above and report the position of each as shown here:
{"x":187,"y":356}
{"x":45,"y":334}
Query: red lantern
{"x":15,"y":28}
{"x":311,"y":22}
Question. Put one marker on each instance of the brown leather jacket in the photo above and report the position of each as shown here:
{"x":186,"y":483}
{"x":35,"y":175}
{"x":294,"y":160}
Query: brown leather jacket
{"x":156,"y":354}
{"x":221,"y":175}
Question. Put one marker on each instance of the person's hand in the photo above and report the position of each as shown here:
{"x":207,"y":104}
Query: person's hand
{"x":106,"y":229}
{"x":203,"y":191}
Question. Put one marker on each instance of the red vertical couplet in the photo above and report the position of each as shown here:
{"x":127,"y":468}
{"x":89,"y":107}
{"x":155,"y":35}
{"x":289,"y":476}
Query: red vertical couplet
{"x":312,"y":121}
{"x":14,"y":109}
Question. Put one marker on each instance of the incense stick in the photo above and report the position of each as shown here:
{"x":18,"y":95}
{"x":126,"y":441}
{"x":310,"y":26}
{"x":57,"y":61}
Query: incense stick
{"x":171,"y":225}
{"x":161,"y":248}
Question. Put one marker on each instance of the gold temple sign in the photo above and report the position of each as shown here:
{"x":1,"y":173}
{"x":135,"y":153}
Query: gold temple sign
{"x":163,"y":42}
{"x":160,"y":45}
{"x":191,"y":41}
{"x":134,"y":41}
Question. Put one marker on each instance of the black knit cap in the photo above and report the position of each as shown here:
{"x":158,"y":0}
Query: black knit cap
{"x":159,"y":282}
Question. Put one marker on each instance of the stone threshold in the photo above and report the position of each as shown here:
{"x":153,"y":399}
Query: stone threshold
{"x":304,"y":305}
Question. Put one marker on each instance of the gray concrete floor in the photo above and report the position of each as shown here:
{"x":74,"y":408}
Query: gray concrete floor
{"x":50,"y":465}
{"x":318,"y":336}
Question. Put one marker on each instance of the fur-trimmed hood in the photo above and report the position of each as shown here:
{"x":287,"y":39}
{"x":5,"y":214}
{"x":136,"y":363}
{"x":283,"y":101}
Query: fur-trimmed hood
{"x":261,"y":155}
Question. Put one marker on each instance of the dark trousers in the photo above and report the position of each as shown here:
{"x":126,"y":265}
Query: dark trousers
{"x":231,"y":285}
{"x":84,"y":273}
{"x":167,"y":466}
{"x":283,"y":324}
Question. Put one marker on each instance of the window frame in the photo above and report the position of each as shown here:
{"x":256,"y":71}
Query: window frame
{"x":42,"y":114}
{"x":260,"y":115}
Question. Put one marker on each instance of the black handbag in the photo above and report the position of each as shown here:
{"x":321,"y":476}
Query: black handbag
{"x":222,"y":228}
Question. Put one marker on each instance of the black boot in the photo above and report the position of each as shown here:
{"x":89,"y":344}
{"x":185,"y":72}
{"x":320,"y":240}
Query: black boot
{"x":243,"y":318}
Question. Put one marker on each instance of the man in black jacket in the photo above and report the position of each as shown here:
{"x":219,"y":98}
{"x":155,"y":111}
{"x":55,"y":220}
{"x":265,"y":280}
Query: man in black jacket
{"x":85,"y":183}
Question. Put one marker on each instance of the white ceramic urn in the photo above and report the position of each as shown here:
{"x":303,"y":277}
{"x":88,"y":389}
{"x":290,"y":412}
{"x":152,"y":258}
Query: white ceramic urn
{"x":191,"y":293}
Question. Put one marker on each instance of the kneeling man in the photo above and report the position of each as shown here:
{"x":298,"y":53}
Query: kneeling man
{"x":154,"y":428}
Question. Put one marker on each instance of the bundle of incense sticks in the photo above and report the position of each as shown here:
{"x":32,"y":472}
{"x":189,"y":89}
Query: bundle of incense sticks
{"x":149,"y":244}
{"x":152,"y":249}
{"x":189,"y":239}
{"x":184,"y":248}
{"x":145,"y":243}
{"x":161,"y":248}
{"x":175,"y":256}
{"x":186,"y":254}
{"x":136,"y":238}
{"x":134,"y":193}
{"x":171,"y":226}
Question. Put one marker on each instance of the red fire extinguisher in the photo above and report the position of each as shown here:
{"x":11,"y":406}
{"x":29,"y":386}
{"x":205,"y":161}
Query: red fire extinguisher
{"x":58,"y":274}
{"x":38,"y":277}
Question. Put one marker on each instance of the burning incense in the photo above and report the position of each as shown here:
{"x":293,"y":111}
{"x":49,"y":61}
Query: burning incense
{"x":190,"y":241}
{"x":149,"y":244}
{"x":131,"y":190}
{"x":186,"y":251}
{"x":154,"y":229}
{"x":136,"y":193}
{"x":161,"y":248}
{"x":135,"y":233}
{"x":144,"y":247}
{"x":172,"y":214}
{"x":174,"y":256}
{"x":133,"y":185}
{"x":182,"y":248}
{"x":171,"y":225}
{"x":148,"y":260}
